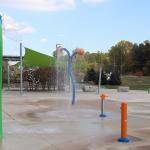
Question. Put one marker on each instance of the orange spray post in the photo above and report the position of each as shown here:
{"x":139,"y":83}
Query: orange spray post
{"x":124,"y":136}
{"x":102,"y":98}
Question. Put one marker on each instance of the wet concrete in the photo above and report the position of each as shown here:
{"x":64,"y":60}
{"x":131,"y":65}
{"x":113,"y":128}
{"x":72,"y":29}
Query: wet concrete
{"x":47,"y":121}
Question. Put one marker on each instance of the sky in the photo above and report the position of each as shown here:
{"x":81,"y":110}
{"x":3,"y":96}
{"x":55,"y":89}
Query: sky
{"x":90,"y":24}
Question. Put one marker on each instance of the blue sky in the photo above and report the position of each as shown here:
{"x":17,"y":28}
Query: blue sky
{"x":90,"y":24}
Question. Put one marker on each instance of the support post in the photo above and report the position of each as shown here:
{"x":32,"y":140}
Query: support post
{"x":103,"y":98}
{"x":102,"y":115}
{"x":100,"y":78}
{"x":8,"y":75}
{"x":124,"y":136}
{"x":100,"y":72}
{"x":1,"y":66}
{"x":21,"y":68}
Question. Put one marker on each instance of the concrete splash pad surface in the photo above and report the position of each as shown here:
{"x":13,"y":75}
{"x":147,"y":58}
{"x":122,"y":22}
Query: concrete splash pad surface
{"x":45,"y":121}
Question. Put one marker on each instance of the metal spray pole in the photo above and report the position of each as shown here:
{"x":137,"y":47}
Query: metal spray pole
{"x":100,"y":75}
{"x":102,"y":98}
{"x":1,"y":66}
{"x":8,"y":75}
{"x":100,"y":78}
{"x":21,"y":68}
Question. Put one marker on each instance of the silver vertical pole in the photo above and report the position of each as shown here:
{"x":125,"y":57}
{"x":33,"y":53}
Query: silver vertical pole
{"x":8,"y":75}
{"x":100,"y":74}
{"x":57,"y":82}
{"x":100,"y":78}
{"x":21,"y":68}
{"x":102,"y":107}
{"x":102,"y":115}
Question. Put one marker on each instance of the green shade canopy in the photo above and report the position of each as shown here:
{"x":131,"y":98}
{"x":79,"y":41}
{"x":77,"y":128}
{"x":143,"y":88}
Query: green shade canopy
{"x":36,"y":59}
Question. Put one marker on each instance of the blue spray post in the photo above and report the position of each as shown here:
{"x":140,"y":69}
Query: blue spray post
{"x":70,"y":69}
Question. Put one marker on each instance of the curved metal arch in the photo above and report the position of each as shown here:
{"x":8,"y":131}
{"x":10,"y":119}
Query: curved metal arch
{"x":70,"y":73}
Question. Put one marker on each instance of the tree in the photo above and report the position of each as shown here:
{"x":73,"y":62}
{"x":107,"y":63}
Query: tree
{"x":141,"y":57}
{"x":93,"y":76}
{"x":103,"y":78}
{"x":115,"y":78}
{"x":90,"y":76}
{"x":119,"y":56}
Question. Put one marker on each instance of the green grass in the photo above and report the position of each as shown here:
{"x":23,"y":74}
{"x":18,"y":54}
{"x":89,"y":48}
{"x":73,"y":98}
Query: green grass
{"x":111,"y":86}
{"x":134,"y":82}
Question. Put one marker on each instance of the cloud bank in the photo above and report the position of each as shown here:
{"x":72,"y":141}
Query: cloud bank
{"x":93,"y":1}
{"x":45,"y":5}
{"x":12,"y":26}
{"x":39,"y":5}
{"x":44,"y":40}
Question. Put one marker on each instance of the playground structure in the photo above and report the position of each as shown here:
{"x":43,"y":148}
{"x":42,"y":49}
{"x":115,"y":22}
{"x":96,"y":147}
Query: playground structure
{"x":30,"y":71}
{"x":70,"y":70}
{"x":34,"y":77}
{"x":36,"y":73}
{"x":43,"y":72}
{"x":31,"y":77}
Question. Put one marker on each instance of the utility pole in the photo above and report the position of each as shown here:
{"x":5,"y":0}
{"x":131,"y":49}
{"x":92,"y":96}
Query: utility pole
{"x":100,"y":71}
{"x":8,"y":75}
{"x":121,"y":63}
{"x":21,"y":68}
{"x":1,"y":66}
{"x":114,"y":63}
{"x":57,"y":66}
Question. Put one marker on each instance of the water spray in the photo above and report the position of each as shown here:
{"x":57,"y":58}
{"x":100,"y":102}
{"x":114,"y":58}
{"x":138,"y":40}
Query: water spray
{"x":78,"y":51}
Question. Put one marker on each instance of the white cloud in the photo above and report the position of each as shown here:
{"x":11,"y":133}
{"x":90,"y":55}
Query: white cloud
{"x":60,"y":35}
{"x":44,"y":40}
{"x":93,"y":1}
{"x":44,"y":5}
{"x":39,"y":5}
{"x":12,"y":26}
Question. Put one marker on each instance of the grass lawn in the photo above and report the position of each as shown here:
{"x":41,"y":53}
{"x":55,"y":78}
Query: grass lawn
{"x":134,"y":82}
